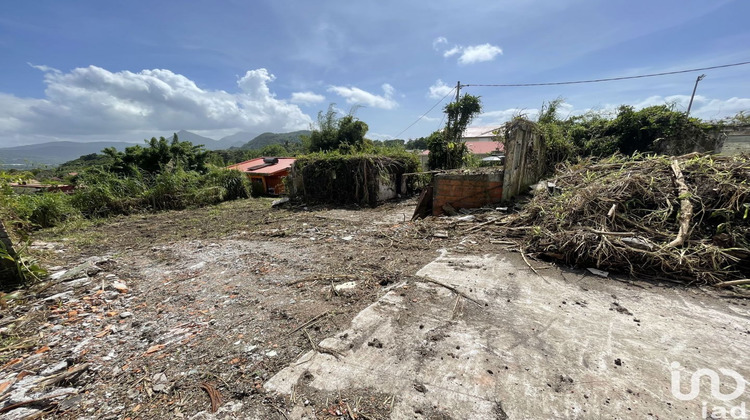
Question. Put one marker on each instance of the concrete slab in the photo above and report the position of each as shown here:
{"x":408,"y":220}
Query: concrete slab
{"x":557,"y":346}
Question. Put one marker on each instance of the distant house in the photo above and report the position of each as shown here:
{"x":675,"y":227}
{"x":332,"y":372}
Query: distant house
{"x":480,"y":141}
{"x":266,"y":173}
{"x":481,"y":134}
{"x":33,"y":186}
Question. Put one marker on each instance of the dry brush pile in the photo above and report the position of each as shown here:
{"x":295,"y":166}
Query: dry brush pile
{"x":685,"y":219}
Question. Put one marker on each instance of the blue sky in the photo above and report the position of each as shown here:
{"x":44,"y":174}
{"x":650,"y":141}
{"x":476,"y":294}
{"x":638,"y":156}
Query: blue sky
{"x":97,"y":70}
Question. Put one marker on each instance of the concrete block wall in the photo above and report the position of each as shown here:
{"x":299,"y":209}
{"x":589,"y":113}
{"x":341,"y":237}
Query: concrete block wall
{"x":466,"y":191}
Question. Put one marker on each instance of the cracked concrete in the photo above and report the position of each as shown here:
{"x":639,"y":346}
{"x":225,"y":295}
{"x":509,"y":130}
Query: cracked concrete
{"x":549,"y":345}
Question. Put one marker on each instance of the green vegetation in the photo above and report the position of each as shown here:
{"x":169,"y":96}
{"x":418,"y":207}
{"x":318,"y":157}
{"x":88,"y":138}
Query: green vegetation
{"x":658,"y":129}
{"x":345,"y":134}
{"x":18,"y":268}
{"x":159,"y":176}
{"x":335,"y":177}
{"x":447,"y":151}
{"x":291,"y":142}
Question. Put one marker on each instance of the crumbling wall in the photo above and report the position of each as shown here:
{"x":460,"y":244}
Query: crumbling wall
{"x":466,"y":190}
{"x":737,"y":140}
{"x":524,"y":157}
{"x":341,"y":179}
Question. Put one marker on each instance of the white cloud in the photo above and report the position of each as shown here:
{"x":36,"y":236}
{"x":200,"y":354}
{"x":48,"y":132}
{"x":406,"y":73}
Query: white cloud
{"x":439,"y":90}
{"x":438,"y":42}
{"x":479,"y":53}
{"x":501,"y":116}
{"x":306,"y":98}
{"x":92,"y":102}
{"x":357,"y":96}
{"x":378,"y":136}
{"x":453,"y":51}
{"x":468,"y":55}
{"x":44,"y":68}
{"x":703,"y":107}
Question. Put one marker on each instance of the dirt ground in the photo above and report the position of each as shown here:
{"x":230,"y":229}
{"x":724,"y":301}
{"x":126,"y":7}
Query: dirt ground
{"x":169,"y":307}
{"x":187,"y":314}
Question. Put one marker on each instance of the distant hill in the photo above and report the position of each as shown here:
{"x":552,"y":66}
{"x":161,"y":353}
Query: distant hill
{"x":52,"y":153}
{"x":265,"y":139}
{"x":237,"y":139}
{"x":196,"y":139}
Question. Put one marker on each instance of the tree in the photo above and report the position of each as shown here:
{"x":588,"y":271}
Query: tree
{"x":273,"y":150}
{"x":158,"y":154}
{"x":332,"y":133}
{"x":447,"y":150}
{"x":417,"y":144}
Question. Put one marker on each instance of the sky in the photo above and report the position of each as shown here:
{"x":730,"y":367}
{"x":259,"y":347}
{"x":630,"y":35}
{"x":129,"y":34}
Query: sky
{"x":86,"y":70}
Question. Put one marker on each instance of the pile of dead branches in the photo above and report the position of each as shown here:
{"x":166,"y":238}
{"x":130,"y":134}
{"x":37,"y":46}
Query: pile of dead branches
{"x":685,"y":219}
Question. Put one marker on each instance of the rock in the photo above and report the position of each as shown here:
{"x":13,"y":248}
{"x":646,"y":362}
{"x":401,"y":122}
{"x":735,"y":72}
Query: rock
{"x":56,"y":368}
{"x":639,"y":243}
{"x":345,"y":286}
{"x":160,"y":383}
{"x":347,"y":238}
{"x":83,"y":281}
{"x":449,"y":210}
{"x":198,"y":266}
{"x":598,"y":272}
{"x":89,"y":268}
{"x":120,"y":286}
{"x":124,"y":315}
{"x":22,"y":413}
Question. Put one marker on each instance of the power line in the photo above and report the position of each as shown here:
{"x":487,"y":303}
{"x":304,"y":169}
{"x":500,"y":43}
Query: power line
{"x":611,"y":79}
{"x":425,"y":114}
{"x":576,"y":82}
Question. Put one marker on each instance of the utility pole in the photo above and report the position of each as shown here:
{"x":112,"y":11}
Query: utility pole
{"x":458,"y":90}
{"x":690,"y":105}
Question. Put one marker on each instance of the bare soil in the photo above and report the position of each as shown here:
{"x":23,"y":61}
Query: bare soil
{"x":178,"y":310}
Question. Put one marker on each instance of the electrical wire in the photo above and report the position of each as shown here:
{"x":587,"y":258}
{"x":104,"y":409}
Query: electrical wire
{"x":611,"y":79}
{"x":425,"y":114}
{"x":576,"y":82}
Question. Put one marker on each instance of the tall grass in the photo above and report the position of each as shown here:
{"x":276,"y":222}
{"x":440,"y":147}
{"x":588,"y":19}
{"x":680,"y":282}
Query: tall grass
{"x":102,"y":193}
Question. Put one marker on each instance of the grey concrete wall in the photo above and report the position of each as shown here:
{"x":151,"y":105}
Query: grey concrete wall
{"x":737,"y":141}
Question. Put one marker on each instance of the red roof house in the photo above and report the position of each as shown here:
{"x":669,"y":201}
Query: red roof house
{"x":266,"y":173}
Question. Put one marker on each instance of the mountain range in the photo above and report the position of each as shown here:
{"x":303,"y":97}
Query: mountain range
{"x":55,"y":153}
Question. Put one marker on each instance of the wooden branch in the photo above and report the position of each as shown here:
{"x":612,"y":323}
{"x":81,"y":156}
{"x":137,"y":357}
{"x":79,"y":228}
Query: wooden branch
{"x":47,"y":400}
{"x":601,"y":232}
{"x":213,"y":394}
{"x":452,"y":289}
{"x":473,"y":228}
{"x":67,"y":375}
{"x":686,"y":207}
{"x":312,"y":321}
{"x":317,"y":277}
{"x":732,"y":283}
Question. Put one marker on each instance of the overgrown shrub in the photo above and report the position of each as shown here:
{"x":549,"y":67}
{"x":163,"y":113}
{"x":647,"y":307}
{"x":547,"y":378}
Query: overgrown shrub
{"x":102,"y":193}
{"x":343,"y":179}
{"x":233,"y":184}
